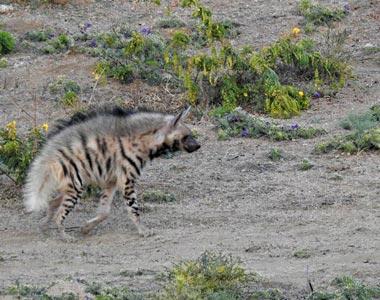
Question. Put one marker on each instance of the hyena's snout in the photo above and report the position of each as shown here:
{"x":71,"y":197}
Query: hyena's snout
{"x":190,"y":144}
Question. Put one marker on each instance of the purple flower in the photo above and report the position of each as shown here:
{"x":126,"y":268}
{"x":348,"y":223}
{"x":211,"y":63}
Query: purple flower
{"x":317,"y":94}
{"x":294,"y":127}
{"x":244,"y":132}
{"x":191,"y":53}
{"x":346,"y":7}
{"x":126,"y":35}
{"x":145,"y":31}
{"x":93,"y":44}
{"x":52,"y":35}
{"x":267,"y":123}
{"x":234,"y":118}
{"x":88,"y":297}
{"x":88,"y":25}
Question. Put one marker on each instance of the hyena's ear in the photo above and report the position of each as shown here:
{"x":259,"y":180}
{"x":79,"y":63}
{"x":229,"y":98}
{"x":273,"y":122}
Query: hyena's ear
{"x":180,"y":116}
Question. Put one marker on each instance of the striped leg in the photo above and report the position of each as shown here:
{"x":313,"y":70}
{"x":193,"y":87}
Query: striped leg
{"x":70,"y":198}
{"x":103,"y":210}
{"x":133,"y":208}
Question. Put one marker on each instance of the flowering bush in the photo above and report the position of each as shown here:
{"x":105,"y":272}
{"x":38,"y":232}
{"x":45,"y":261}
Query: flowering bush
{"x":17,"y":152}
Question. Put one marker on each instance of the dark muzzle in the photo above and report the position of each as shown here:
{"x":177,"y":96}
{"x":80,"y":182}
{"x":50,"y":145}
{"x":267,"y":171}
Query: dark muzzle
{"x":190,"y":144}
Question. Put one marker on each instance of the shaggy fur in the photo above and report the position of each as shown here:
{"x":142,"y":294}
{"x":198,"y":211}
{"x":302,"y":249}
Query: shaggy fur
{"x":107,"y":148}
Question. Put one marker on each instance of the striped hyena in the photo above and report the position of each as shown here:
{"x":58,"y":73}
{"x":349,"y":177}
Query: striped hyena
{"x":106,"y":148}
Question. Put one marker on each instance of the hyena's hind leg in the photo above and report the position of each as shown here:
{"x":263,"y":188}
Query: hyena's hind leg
{"x":129,"y":195}
{"x":52,"y":207}
{"x":69,"y":199}
{"x":103,"y":209}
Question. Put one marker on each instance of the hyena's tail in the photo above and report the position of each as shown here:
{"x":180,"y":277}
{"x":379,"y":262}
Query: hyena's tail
{"x":40,"y":185}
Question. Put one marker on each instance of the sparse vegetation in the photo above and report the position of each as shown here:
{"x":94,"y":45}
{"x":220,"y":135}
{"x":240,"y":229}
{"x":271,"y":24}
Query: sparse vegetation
{"x":364,"y":134}
{"x":158,"y":197}
{"x":318,"y":15}
{"x":241,"y":124}
{"x":347,"y":288}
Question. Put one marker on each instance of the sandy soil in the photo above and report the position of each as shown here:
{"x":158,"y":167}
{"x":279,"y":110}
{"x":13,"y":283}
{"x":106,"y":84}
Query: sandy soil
{"x":231,"y":197}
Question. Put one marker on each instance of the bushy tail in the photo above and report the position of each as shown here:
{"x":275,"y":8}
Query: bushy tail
{"x":39,"y":187}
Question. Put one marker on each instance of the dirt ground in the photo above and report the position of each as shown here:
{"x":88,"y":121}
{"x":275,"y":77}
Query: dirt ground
{"x":231,"y":197}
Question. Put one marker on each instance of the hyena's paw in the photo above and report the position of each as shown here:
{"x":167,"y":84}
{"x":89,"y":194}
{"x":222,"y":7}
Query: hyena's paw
{"x":44,"y":227}
{"x":68,"y":238}
{"x":144,"y":232}
{"x":86,"y":228}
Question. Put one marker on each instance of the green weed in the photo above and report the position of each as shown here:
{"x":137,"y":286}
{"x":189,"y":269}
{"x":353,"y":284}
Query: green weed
{"x":301,"y":254}
{"x":7,"y":42}
{"x":305,"y":165}
{"x":276,"y":154}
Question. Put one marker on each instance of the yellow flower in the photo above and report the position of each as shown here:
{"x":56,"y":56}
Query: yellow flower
{"x":295,"y":32}
{"x":300,"y":93}
{"x":245,"y":95}
{"x":45,"y":126}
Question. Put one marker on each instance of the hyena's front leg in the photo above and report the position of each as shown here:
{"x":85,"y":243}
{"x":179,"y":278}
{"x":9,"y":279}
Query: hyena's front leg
{"x":70,"y":197}
{"x":103,"y":210}
{"x":129,"y":195}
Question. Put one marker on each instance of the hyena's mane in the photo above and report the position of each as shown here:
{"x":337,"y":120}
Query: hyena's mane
{"x":85,"y":116}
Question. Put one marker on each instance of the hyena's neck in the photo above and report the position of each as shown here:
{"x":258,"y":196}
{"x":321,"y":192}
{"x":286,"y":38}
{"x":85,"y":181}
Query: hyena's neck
{"x":150,"y":148}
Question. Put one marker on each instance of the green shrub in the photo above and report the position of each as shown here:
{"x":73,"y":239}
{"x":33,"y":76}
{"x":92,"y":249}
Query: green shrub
{"x":7,"y":43}
{"x":211,"y":276}
{"x":17,"y":152}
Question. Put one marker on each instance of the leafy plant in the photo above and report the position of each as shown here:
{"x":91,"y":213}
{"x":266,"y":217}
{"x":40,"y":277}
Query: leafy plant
{"x":7,"y":43}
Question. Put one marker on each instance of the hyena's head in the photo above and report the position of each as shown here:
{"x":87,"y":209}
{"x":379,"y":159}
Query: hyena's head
{"x":177,"y":136}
